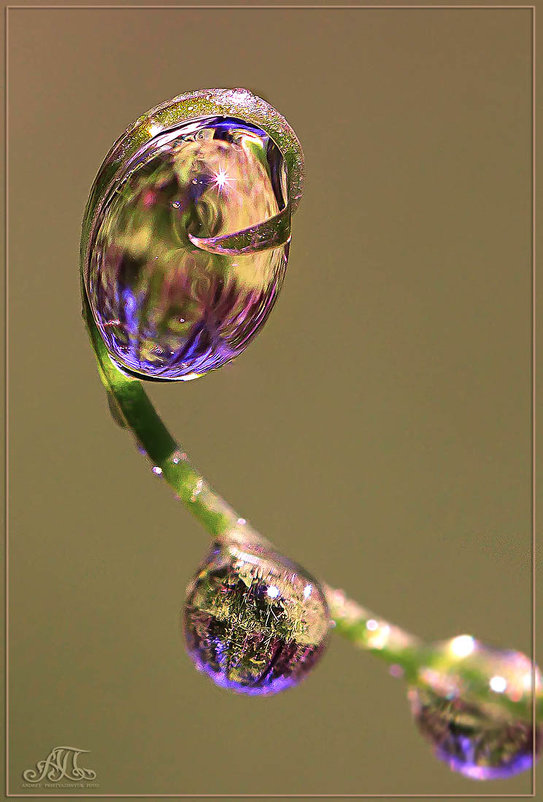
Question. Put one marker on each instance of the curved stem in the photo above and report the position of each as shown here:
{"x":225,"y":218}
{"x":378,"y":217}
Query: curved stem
{"x":408,"y":656}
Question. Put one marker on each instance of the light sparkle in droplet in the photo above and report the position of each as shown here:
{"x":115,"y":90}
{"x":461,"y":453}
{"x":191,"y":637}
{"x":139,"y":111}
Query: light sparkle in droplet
{"x":498,"y":684}
{"x":221,"y":179}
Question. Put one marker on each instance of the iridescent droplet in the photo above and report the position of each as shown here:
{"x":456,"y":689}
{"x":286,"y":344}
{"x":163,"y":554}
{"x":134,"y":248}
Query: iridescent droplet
{"x":471,"y":740}
{"x":171,"y":297}
{"x":477,"y":738}
{"x":248,"y":623}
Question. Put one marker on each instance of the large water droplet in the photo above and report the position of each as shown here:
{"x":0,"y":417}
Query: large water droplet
{"x":249,"y":622}
{"x":476,"y":737}
{"x":189,"y":248}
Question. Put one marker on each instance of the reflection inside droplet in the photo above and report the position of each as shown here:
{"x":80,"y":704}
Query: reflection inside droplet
{"x":248,"y":623}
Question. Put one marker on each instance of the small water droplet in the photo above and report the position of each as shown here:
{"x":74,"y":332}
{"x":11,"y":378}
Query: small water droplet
{"x":178,"y":456}
{"x":475,"y":737}
{"x":248,"y":624}
{"x":470,"y":738}
{"x":197,"y":490}
{"x":378,"y":634}
{"x":241,"y":522}
{"x":157,"y":470}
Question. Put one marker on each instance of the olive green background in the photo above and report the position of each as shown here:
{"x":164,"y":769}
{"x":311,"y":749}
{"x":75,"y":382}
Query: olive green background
{"x":378,"y":430}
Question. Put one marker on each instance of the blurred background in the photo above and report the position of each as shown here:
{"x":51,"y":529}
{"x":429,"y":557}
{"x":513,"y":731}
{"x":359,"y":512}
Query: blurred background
{"x":378,"y":430}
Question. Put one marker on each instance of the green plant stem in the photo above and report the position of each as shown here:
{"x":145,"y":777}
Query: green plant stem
{"x":407,"y":655}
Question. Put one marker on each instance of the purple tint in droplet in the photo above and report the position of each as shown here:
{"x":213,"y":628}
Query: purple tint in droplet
{"x":473,"y":739}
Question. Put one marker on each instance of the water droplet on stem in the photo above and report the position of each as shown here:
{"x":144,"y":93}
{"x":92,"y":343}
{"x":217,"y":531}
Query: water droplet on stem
{"x":248,"y":622}
{"x":476,"y":736}
{"x":471,"y":738}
